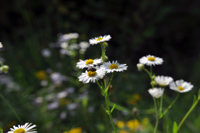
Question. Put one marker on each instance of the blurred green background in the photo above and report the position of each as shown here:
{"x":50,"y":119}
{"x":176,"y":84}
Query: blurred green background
{"x":164,"y":28}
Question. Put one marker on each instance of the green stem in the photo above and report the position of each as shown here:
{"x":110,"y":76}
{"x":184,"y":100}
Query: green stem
{"x":188,"y":113}
{"x":11,"y":108}
{"x":109,"y":113}
{"x":157,"y":115}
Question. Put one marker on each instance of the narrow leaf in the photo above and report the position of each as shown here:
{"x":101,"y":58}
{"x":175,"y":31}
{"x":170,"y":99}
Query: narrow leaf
{"x":175,"y":127}
{"x":113,"y":108}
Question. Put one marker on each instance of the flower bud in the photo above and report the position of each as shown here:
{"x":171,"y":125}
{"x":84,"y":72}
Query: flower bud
{"x":140,"y":66}
{"x":105,"y":44}
{"x":153,"y":83}
{"x":4,"y":68}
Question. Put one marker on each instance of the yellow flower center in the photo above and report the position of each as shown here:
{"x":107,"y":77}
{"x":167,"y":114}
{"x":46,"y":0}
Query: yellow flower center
{"x":92,"y":73}
{"x":113,"y":66}
{"x":180,"y":88}
{"x":19,"y":130}
{"x":99,"y":39}
{"x":89,"y":61}
{"x":150,"y":58}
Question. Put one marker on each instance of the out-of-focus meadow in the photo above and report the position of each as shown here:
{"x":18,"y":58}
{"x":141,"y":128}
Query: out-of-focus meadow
{"x":42,"y":83}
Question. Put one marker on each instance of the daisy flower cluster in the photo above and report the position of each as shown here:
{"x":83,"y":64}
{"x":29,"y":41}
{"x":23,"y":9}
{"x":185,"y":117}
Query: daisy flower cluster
{"x":158,"y":84}
{"x":161,"y":81}
{"x":96,"y":69}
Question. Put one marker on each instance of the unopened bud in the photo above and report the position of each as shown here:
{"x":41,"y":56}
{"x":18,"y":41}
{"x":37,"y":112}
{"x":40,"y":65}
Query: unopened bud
{"x":140,"y":66}
{"x":153,"y":77}
{"x":153,"y":83}
{"x":105,"y":44}
{"x":4,"y":68}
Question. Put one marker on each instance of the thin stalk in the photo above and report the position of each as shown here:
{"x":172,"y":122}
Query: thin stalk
{"x":157,"y":116}
{"x":188,"y":113}
{"x":8,"y":104}
{"x":109,"y":113}
{"x":170,"y":105}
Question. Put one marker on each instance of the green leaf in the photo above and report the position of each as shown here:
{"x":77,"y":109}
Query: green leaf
{"x":175,"y":127}
{"x":113,"y":108}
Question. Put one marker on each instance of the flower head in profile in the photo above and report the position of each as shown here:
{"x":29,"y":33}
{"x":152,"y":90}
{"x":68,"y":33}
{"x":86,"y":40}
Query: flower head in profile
{"x":100,"y":39}
{"x":89,"y":62}
{"x":26,"y":128}
{"x":92,"y":75}
{"x":114,"y":66}
{"x":163,"y":81}
{"x":181,"y":86}
{"x":1,"y":45}
{"x":156,"y":92}
{"x":150,"y":60}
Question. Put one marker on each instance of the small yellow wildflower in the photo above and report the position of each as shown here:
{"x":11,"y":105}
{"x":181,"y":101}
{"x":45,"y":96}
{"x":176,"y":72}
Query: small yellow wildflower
{"x":145,"y":122}
{"x":134,"y":100}
{"x":133,"y":124}
{"x":41,"y":75}
{"x":137,"y":96}
{"x":74,"y":130}
{"x":120,"y":124}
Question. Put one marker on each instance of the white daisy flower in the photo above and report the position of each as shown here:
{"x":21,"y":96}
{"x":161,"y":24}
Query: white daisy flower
{"x":100,"y":39}
{"x":163,"y":81}
{"x":26,"y":128}
{"x":150,"y":60}
{"x":181,"y":86}
{"x":1,"y":45}
{"x":92,"y":76}
{"x":114,"y":66}
{"x":89,"y":62}
{"x":156,"y":92}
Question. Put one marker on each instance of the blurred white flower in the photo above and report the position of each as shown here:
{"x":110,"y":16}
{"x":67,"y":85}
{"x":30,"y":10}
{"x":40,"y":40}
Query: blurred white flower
{"x":84,"y":45}
{"x":70,"y":90}
{"x":53,"y":105}
{"x":63,"y":115}
{"x":156,"y":92}
{"x":72,"y":106}
{"x":73,"y":46}
{"x":66,"y":37}
{"x":44,"y":83}
{"x":150,"y":60}
{"x":46,"y":52}
{"x":62,"y":94}
{"x":181,"y":86}
{"x":64,"y":45}
{"x":57,"y":78}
